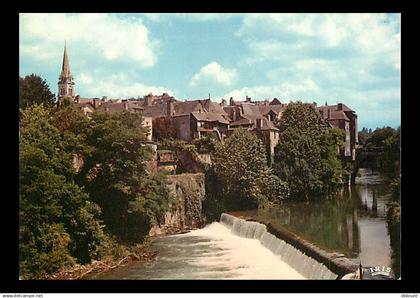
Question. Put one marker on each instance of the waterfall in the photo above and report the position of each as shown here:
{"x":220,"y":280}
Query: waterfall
{"x":296,"y":259}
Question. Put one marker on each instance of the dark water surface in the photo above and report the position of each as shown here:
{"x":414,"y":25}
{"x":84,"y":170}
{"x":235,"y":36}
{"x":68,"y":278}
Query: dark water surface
{"x":352,"y":223}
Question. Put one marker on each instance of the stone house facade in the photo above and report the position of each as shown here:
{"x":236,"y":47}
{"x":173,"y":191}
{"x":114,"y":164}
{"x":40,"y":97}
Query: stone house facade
{"x":341,"y":116}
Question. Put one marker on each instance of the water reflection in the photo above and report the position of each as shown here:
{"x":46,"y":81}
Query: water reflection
{"x":353,"y":222}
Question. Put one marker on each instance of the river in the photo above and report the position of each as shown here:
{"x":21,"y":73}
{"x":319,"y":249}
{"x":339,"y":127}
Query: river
{"x":352,"y":223}
{"x":209,"y":253}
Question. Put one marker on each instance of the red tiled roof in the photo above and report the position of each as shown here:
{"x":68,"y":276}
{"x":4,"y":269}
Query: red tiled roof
{"x":267,"y":125}
{"x":250,"y":111}
{"x":212,"y":107}
{"x":242,"y":121}
{"x":335,"y":107}
{"x":340,"y":115}
{"x":210,"y":117}
{"x":334,"y":112}
{"x":155,"y":111}
{"x":187,"y":107}
{"x":131,"y":106}
{"x":275,"y":101}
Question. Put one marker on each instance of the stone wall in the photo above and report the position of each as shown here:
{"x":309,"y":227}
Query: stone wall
{"x":189,"y":189}
{"x":183,"y":129}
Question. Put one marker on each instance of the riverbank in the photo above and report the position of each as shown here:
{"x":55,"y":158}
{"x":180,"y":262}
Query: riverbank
{"x":139,"y":252}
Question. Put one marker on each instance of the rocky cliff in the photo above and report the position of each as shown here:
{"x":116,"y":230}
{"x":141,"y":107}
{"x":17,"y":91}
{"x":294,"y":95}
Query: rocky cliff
{"x":189,"y":189}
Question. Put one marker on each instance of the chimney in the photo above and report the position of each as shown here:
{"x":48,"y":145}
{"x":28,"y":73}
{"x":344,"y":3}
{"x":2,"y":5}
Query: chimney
{"x":231,"y":103}
{"x":148,"y":99}
{"x":223,"y":103}
{"x":170,"y":108}
{"x":258,"y":123}
{"x":328,"y":114}
{"x":234,"y":115}
{"x":125,"y":105}
{"x":94,"y":103}
{"x":340,"y":106}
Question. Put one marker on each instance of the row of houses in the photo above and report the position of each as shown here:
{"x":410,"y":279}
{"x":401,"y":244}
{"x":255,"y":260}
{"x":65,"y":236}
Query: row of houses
{"x":193,"y":119}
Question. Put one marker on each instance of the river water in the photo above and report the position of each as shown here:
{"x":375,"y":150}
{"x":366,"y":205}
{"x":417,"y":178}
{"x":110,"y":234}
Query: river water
{"x":352,"y":223}
{"x":213,"y":252}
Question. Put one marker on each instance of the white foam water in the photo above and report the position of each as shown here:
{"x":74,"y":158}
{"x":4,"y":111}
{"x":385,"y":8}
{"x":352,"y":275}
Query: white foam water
{"x":229,"y":249}
{"x":306,"y":266}
{"x":245,"y":258}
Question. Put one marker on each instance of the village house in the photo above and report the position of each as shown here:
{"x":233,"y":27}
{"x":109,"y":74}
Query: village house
{"x":193,"y":119}
{"x":341,"y":116}
{"x":257,"y":117}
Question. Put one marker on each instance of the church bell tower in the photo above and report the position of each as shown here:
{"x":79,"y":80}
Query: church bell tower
{"x":66,"y":85}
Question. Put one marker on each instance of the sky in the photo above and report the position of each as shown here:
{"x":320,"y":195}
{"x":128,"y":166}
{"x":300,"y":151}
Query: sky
{"x":350,"y":58}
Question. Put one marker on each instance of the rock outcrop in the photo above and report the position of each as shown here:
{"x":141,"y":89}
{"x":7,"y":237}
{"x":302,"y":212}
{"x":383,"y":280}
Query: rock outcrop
{"x":189,"y":189}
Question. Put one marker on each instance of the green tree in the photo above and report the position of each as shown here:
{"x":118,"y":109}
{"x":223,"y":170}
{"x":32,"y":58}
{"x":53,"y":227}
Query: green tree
{"x":387,"y":141}
{"x":363,"y":136}
{"x":333,"y":172}
{"x":33,"y":89}
{"x":114,"y":173}
{"x":240,"y":166}
{"x":306,"y":155}
{"x":57,"y":222}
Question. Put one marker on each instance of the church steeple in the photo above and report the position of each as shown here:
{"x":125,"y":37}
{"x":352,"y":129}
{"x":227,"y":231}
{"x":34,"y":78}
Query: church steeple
{"x":66,"y":85}
{"x":65,"y":69}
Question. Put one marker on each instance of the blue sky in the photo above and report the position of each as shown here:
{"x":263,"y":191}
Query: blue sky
{"x":349,"y":58}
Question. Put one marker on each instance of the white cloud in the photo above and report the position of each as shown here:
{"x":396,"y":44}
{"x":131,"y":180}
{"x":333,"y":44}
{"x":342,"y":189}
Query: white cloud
{"x":214,"y":73}
{"x":299,"y":90}
{"x":353,"y":58}
{"x":205,"y":17}
{"x":191,"y":17}
{"x":106,"y":35}
{"x":84,"y":78}
{"x":360,"y":34}
{"x":117,"y":85}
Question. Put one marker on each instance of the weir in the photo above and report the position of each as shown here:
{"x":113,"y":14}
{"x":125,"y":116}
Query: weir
{"x":298,"y":260}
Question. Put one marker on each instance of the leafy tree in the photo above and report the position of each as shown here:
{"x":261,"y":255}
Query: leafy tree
{"x":33,"y":89}
{"x":378,"y":137}
{"x":240,"y":165}
{"x":333,"y":171}
{"x":306,"y":155}
{"x":387,"y":141}
{"x":114,"y":173}
{"x":206,"y":144}
{"x":363,"y":136}
{"x":56,"y":217}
